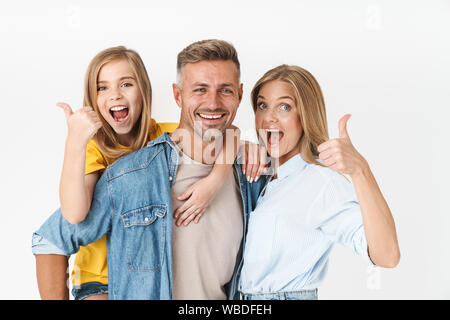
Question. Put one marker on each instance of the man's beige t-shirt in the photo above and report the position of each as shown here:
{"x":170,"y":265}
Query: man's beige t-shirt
{"x":204,"y":254}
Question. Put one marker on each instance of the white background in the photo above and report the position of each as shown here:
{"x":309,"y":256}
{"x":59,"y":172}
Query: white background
{"x":385,"y":62}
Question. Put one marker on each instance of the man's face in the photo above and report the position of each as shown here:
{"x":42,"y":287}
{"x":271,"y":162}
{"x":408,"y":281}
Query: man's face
{"x":209,"y":96}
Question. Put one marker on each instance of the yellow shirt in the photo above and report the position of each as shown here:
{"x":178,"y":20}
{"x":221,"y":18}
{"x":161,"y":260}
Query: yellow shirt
{"x":90,"y":262}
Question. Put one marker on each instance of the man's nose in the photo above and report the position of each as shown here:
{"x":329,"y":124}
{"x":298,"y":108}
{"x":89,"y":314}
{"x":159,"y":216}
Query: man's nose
{"x":213,"y":101}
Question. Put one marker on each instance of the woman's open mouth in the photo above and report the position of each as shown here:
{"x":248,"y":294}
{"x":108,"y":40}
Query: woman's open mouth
{"x":273,"y":137}
{"x":119,"y":113}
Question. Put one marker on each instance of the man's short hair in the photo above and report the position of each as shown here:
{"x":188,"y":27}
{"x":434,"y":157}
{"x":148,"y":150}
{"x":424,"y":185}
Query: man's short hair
{"x":206,"y":50}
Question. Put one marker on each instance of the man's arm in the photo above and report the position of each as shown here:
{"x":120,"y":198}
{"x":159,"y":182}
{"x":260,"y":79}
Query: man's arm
{"x":52,"y":276}
{"x":57,"y":239}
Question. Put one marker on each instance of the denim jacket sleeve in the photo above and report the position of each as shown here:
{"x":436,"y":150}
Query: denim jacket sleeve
{"x":68,"y":238}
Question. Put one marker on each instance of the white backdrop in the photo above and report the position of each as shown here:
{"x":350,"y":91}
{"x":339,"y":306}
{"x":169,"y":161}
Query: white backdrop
{"x":385,"y":62}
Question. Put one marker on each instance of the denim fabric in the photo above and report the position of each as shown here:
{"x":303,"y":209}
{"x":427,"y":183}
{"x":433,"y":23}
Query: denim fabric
{"x":89,"y":289}
{"x":132,"y":206}
{"x":293,"y":295}
{"x":41,"y":245}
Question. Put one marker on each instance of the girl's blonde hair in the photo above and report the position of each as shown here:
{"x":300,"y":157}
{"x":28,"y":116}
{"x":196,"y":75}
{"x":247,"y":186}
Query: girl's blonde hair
{"x":106,"y":138}
{"x":310,"y":106}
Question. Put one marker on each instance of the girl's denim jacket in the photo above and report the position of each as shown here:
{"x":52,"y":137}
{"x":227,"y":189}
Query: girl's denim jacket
{"x":133,"y":207}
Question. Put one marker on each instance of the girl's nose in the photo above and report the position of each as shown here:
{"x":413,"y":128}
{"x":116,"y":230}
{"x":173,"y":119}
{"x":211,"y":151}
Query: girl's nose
{"x":115,"y":94}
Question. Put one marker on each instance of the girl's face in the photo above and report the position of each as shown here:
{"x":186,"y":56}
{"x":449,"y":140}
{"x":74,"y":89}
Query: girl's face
{"x":119,"y":98}
{"x":278,"y":121}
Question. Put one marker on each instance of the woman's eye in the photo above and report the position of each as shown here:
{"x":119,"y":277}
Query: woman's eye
{"x":285,"y":107}
{"x":262,"y":106}
{"x":101,"y":88}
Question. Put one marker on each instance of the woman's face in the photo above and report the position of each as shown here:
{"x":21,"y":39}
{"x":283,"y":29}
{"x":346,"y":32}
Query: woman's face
{"x":119,"y":98}
{"x":278,"y":121}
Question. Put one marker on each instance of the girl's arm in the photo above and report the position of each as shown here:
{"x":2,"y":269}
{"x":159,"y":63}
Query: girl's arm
{"x":76,"y":188}
{"x":379,"y":227}
{"x":200,"y":194}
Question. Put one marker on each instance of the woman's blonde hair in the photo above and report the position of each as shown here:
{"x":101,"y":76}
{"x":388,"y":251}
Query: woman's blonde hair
{"x":106,"y":138}
{"x":310,"y":106}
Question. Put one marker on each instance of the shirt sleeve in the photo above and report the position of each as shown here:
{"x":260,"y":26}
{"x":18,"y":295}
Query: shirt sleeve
{"x":95,"y":161}
{"x":341,"y":218}
{"x":61,"y":237}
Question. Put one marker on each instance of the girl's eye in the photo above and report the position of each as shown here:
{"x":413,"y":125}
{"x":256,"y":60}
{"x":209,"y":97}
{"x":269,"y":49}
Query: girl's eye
{"x":285,"y":107}
{"x":127,"y":84}
{"x":101,"y":88}
{"x":262,"y":106}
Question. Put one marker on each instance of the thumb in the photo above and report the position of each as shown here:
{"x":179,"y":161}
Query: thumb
{"x":343,"y":126}
{"x":66,"y":108}
{"x":186,"y":194}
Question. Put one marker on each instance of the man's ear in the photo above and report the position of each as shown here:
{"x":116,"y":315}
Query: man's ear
{"x":241,"y":91}
{"x":177,"y":94}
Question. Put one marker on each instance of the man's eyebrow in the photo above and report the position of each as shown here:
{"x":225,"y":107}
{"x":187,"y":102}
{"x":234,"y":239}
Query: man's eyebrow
{"x":226,"y":84}
{"x":200,"y":84}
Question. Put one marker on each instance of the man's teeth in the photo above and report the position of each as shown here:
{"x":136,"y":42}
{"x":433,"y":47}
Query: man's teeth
{"x":206,"y":116}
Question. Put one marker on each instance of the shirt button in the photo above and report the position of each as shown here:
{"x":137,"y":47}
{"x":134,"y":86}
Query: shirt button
{"x":146,"y":219}
{"x":170,"y":178}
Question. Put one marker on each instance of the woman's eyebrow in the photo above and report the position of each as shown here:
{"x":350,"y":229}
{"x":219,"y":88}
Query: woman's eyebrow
{"x":286,"y":97}
{"x":280,"y":98}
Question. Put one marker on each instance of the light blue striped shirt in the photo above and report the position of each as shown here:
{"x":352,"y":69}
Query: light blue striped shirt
{"x":297,"y":219}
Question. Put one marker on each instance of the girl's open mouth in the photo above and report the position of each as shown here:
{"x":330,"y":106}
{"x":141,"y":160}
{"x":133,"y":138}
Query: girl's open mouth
{"x":119,"y":113}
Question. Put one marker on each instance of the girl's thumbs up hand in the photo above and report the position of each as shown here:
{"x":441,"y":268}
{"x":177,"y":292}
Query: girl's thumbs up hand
{"x":82,"y":124}
{"x":339,"y":154}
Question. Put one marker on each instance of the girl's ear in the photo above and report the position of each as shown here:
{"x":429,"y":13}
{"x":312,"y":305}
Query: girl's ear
{"x":177,"y":94}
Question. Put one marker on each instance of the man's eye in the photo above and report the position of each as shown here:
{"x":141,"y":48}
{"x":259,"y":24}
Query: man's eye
{"x":101,"y":88}
{"x":285,"y":107}
{"x":262,"y":106}
{"x":227,"y":91}
{"x":200,"y":90}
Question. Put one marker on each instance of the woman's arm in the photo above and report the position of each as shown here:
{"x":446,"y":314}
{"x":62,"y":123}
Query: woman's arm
{"x":379,"y":227}
{"x":76,"y":188}
{"x":378,"y":222}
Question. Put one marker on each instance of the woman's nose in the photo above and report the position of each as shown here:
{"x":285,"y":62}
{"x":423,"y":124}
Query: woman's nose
{"x":271,"y":115}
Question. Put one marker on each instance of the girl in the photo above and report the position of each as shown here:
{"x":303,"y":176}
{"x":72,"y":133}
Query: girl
{"x":115,"y":121}
{"x":309,"y":204}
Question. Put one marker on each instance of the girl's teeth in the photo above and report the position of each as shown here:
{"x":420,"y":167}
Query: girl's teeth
{"x":118,"y":108}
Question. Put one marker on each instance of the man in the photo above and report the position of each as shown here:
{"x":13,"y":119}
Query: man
{"x":148,"y":256}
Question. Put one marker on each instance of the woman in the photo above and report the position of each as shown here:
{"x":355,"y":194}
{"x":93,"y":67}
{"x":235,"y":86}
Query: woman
{"x":309,"y":204}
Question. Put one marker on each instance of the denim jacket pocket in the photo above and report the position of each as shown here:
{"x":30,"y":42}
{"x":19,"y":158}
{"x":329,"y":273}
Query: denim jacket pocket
{"x":145,"y":237}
